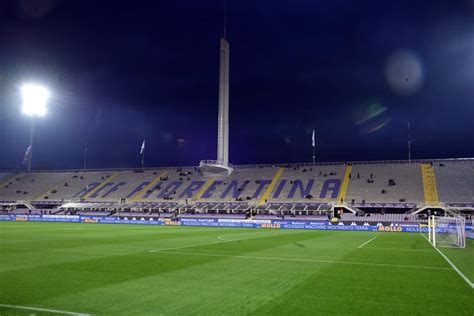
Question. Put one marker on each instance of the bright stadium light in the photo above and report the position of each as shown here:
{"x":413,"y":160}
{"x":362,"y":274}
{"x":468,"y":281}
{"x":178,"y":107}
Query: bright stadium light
{"x":34,"y":98}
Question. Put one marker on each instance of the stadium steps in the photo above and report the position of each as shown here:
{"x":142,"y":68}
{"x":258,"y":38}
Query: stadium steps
{"x":102,"y":184}
{"x":345,"y":184}
{"x":271,"y":186}
{"x":455,"y":181}
{"x":204,"y":188}
{"x":429,"y":185}
{"x":41,"y":195}
{"x":7,"y":178}
{"x":139,"y":195}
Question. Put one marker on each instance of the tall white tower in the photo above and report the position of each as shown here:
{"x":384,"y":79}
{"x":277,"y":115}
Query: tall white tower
{"x":221,"y":166}
{"x":223,"y":118}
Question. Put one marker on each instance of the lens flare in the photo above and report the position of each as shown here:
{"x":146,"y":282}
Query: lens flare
{"x":404,"y":72}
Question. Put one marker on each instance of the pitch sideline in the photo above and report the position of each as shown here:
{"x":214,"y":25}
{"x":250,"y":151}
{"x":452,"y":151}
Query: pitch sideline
{"x":465,"y":278}
{"x":39,"y":309}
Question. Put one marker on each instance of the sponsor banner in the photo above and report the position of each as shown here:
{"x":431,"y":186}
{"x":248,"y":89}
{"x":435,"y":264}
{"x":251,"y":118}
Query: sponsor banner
{"x":255,"y":221}
{"x":7,"y":218}
{"x":264,"y":224}
{"x":311,"y":225}
{"x":460,"y":204}
{"x":116,"y":220}
{"x":36,"y":218}
{"x":62,"y":216}
{"x":384,"y":205}
{"x":21,"y":218}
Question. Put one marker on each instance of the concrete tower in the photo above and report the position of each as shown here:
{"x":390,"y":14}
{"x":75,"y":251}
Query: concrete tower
{"x":221,"y":166}
{"x":223,"y":118}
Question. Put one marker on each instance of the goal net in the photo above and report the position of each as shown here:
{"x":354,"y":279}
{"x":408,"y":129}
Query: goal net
{"x":447,"y":231}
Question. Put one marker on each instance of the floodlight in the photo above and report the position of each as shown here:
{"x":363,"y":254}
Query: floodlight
{"x":35,"y":98}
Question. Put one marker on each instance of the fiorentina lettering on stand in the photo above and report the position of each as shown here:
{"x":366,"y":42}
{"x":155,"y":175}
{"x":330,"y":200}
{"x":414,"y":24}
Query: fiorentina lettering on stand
{"x":96,"y":193}
{"x":170,"y":189}
{"x":88,"y":188}
{"x":114,"y":188}
{"x":210,"y":190}
{"x":140,"y":187}
{"x":297,"y":189}
{"x":193,"y":187}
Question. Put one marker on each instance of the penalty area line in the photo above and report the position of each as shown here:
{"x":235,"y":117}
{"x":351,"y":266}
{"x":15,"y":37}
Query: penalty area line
{"x":39,"y":309}
{"x":366,"y":242}
{"x":451,"y":264}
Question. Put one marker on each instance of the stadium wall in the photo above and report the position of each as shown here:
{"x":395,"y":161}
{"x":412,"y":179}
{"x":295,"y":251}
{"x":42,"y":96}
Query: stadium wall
{"x":236,"y":223}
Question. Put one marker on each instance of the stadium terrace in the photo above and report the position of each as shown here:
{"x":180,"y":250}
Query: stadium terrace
{"x":388,"y":192}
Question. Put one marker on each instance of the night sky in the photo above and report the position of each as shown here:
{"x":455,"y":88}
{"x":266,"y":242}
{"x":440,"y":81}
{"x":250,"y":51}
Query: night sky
{"x":123,"y":71}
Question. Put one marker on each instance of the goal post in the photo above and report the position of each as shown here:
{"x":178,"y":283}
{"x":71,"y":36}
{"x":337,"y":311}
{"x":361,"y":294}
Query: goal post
{"x":446,"y":231}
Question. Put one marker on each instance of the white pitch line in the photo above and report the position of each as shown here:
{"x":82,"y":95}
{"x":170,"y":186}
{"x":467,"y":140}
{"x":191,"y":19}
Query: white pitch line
{"x":471,"y":284}
{"x":305,"y":260}
{"x":366,"y":242}
{"x":227,"y":240}
{"x":221,"y":240}
{"x":38,"y":309}
{"x":397,"y":249}
{"x":189,"y":246}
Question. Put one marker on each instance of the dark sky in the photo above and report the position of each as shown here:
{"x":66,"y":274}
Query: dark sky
{"x":121,"y":71}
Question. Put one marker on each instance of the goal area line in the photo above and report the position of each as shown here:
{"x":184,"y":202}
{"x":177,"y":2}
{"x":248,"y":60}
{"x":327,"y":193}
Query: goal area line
{"x":462,"y":275}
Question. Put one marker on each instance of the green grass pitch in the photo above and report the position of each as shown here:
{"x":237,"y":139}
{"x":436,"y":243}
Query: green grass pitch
{"x":151,"y":270}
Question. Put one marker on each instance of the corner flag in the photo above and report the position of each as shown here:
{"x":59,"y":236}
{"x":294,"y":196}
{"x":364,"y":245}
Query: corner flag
{"x":313,"y":140}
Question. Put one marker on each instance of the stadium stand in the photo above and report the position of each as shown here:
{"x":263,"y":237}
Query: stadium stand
{"x":257,"y":191}
{"x":242,"y":184}
{"x":30,"y":186}
{"x":455,"y":181}
{"x":4,"y":176}
{"x":71,"y":184}
{"x":381,"y":217}
{"x":372,"y":183}
{"x":307,"y":183}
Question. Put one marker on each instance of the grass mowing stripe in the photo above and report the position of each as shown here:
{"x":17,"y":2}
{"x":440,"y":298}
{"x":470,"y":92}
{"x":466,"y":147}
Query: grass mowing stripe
{"x":452,"y":265}
{"x":396,"y":249}
{"x":368,"y":241}
{"x":39,"y":309}
{"x":72,"y":268}
{"x":221,"y":240}
{"x":189,"y":246}
{"x":306,"y":260}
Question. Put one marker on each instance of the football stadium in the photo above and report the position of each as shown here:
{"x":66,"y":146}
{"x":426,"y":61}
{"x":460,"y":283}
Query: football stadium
{"x":362,"y":237}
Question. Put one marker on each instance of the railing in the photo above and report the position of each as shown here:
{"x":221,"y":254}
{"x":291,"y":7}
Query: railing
{"x":250,"y":166}
{"x":366,"y":162}
{"x":216,"y":163}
